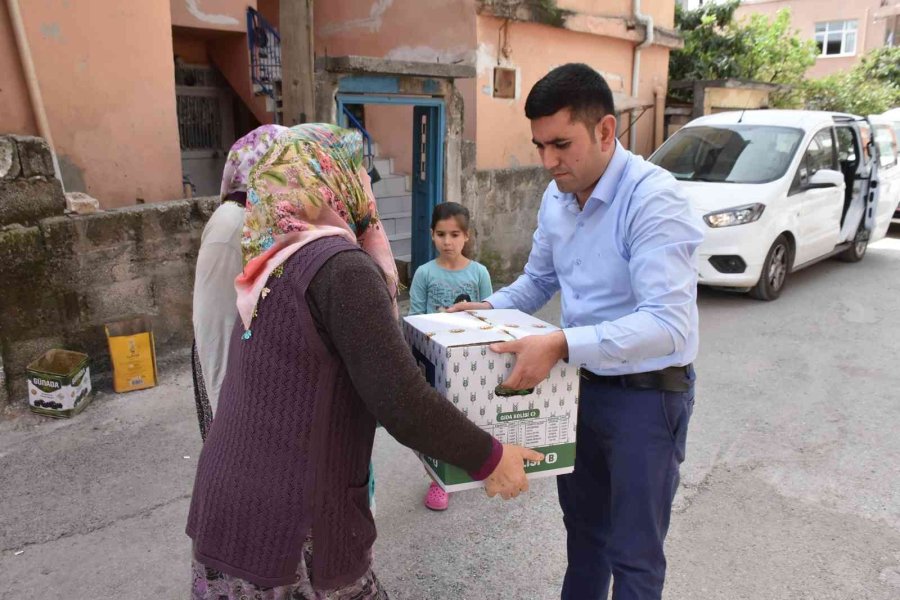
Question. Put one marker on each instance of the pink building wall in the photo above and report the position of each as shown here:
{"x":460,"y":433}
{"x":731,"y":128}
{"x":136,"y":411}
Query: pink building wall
{"x":109,"y":99}
{"x":806,"y":13}
{"x":397,"y":30}
{"x":219,"y":15}
{"x":15,"y":111}
{"x":662,"y":11}
{"x":504,"y":134}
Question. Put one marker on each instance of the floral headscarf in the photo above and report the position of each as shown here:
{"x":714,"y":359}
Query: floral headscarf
{"x":243,"y":155}
{"x":310,"y":184}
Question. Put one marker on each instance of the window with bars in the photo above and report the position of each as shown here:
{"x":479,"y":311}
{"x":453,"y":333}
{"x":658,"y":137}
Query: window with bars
{"x":199,"y":122}
{"x":836,"y":38}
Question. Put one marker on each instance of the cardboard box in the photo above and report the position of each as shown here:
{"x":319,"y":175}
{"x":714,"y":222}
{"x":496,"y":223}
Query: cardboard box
{"x":59,"y":383}
{"x":133,"y":354}
{"x":452,"y":351}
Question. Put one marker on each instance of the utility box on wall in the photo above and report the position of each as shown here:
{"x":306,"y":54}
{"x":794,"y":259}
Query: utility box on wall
{"x":504,"y":82}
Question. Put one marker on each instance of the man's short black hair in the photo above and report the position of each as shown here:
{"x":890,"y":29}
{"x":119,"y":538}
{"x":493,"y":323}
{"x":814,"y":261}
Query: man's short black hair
{"x":575,"y":86}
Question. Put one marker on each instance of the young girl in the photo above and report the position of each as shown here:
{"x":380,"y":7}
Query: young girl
{"x":441,"y":283}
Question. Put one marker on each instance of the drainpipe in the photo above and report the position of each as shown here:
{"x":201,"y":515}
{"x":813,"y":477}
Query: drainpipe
{"x":647,"y":22}
{"x":34,"y":90}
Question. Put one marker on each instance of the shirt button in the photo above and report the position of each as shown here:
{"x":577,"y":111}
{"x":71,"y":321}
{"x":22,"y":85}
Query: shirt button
{"x":577,"y":296}
{"x":578,"y":262}
{"x":581,"y":225}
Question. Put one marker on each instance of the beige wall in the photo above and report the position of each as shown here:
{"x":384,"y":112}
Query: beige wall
{"x":110,"y":99}
{"x":725,"y":99}
{"x":806,"y":13}
{"x":223,"y":15}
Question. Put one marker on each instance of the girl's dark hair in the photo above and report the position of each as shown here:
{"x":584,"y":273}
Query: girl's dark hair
{"x":575,"y":86}
{"x":449,"y":210}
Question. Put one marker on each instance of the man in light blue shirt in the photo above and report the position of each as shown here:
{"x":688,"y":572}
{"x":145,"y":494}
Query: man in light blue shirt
{"x":617,"y":238}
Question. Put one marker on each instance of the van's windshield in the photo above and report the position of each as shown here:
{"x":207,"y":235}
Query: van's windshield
{"x":729,"y":153}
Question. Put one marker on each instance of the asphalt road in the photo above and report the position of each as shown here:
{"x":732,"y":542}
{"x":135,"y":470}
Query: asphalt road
{"x":791,"y":488}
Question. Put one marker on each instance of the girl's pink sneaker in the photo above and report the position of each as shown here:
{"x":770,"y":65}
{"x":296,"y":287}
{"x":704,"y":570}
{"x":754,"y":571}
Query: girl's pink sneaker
{"x":436,"y":498}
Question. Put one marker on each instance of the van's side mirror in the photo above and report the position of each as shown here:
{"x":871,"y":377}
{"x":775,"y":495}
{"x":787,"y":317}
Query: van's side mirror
{"x":825,"y":178}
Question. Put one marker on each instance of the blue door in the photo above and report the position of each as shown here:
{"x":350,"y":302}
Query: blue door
{"x":427,"y":185}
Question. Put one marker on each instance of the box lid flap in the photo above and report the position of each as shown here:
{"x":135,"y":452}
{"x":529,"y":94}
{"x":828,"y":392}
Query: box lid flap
{"x":457,"y":329}
{"x":514,"y":322}
{"x":478,"y":327}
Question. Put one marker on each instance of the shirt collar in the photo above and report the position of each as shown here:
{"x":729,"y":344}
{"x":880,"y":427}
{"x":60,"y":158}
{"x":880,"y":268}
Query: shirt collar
{"x":605,"y":190}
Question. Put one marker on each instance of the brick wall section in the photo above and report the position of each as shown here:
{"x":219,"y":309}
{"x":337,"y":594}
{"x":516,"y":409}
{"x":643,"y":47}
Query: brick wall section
{"x":64,"y":277}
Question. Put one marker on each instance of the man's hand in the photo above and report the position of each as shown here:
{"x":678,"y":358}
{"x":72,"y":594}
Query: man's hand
{"x":508,"y":478}
{"x":535,"y":357}
{"x":464,"y":306}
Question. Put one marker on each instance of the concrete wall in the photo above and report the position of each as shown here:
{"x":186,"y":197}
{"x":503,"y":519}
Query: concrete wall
{"x":65,"y":277}
{"x":806,"y":13}
{"x":109,"y":95}
{"x":504,"y":205}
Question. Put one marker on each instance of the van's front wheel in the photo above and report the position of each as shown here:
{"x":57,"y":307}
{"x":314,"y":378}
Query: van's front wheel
{"x":857,"y":251}
{"x":775,"y":271}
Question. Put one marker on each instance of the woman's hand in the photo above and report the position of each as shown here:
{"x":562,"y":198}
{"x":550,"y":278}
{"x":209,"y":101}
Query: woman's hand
{"x":508,"y":478}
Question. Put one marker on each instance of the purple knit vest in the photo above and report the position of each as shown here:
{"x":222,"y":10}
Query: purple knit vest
{"x":289,"y":448}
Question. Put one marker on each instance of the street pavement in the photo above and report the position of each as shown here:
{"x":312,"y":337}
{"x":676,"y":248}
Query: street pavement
{"x":791,"y":488}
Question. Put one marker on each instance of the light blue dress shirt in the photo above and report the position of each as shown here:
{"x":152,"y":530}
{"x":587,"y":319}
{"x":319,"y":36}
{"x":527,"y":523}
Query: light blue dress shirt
{"x":626,"y":268}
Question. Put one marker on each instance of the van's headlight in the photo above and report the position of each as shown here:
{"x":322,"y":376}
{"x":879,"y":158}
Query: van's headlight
{"x":740,"y":215}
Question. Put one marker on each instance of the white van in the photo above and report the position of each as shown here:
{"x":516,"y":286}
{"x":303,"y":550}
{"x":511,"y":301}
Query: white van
{"x":780,"y":190}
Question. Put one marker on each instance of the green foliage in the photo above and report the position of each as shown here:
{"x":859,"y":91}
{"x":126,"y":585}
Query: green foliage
{"x":883,"y":64}
{"x":716,"y":46}
{"x":849,"y":92}
{"x":869,"y":88}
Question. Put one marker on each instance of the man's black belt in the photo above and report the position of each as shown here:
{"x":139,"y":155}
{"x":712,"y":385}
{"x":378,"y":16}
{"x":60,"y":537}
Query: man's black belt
{"x":670,"y":379}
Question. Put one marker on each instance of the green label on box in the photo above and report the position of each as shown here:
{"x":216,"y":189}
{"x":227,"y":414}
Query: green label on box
{"x":521,"y":414}
{"x":555,"y":457}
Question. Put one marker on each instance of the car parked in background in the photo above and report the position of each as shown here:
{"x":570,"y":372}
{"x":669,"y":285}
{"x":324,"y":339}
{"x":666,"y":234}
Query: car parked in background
{"x":781,"y":190}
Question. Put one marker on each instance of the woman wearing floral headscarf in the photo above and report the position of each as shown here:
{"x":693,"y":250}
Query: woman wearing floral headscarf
{"x":218,"y":263}
{"x":279,"y":508}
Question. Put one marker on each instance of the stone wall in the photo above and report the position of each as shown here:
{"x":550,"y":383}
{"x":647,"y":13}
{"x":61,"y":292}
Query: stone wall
{"x":28,"y":189}
{"x":504,"y":204}
{"x":64,"y":277}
